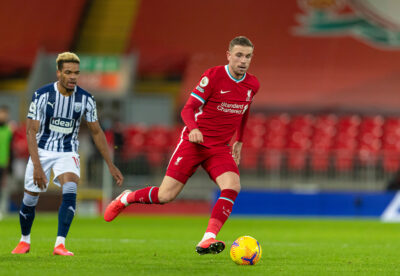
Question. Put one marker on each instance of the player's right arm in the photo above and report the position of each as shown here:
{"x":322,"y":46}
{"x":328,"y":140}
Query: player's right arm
{"x":187,"y":114}
{"x":35,"y":114}
{"x":39,"y":177}
{"x":197,"y":98}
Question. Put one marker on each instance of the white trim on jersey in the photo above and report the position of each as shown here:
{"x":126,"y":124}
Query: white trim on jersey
{"x":177,"y":146}
{"x":232,"y":78}
{"x":198,"y":97}
{"x":198,"y":113}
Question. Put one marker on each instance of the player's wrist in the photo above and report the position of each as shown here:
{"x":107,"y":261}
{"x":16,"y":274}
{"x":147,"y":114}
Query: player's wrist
{"x":36,"y":163}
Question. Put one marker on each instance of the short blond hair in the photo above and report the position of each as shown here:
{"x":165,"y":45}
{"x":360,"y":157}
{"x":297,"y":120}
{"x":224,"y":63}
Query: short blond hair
{"x":66,"y":57}
{"x":240,"y":40}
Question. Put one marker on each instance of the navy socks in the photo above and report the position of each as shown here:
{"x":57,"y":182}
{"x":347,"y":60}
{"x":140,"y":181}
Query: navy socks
{"x":27,"y":213}
{"x":67,"y":209}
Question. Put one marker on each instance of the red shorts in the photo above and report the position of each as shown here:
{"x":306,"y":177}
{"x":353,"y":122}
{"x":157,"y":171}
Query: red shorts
{"x":188,"y":156}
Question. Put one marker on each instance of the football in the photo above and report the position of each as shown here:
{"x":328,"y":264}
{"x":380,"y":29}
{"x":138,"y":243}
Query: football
{"x":246,"y":250}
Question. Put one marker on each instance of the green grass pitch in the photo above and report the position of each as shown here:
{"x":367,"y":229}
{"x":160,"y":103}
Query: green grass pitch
{"x":155,"y":245}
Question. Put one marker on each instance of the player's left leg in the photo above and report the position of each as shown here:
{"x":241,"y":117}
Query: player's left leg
{"x":229,"y":184}
{"x":66,"y":211}
{"x":223,"y":170}
{"x":30,"y":200}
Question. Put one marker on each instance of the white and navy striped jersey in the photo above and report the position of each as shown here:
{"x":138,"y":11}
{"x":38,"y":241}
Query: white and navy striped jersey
{"x":60,"y":117}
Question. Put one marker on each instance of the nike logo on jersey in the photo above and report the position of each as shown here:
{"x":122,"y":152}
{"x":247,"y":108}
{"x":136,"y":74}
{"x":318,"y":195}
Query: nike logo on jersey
{"x":223,"y":92}
{"x":51,"y":104}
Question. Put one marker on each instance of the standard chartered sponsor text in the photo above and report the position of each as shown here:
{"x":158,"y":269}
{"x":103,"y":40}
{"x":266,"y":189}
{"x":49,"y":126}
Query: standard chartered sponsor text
{"x":231,"y":108}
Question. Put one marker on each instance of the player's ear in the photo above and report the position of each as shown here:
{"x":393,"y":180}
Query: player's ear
{"x":228,"y":54}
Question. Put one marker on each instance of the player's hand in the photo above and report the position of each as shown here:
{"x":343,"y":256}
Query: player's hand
{"x":236,"y":150}
{"x":116,"y":174}
{"x":39,"y":177}
{"x":195,"y":136}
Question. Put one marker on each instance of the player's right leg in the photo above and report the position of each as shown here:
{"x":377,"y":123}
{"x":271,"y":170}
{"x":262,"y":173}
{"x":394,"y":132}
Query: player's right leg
{"x":183,"y":163}
{"x":168,"y":191}
{"x":26,"y":217}
{"x":30,"y":200}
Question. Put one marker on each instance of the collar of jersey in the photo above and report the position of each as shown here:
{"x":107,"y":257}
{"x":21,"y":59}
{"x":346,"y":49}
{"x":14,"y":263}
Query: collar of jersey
{"x":232,"y":78}
{"x":56,"y":88}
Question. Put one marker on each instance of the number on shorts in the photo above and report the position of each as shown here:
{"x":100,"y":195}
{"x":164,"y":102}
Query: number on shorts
{"x":76,"y":160}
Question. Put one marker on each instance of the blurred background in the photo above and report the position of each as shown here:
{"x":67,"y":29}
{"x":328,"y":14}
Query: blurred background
{"x":324,"y":133}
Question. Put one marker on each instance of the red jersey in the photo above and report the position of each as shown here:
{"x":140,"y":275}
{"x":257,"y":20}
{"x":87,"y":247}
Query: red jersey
{"x":220,"y":102}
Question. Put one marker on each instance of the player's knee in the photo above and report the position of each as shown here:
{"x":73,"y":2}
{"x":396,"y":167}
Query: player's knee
{"x":166,"y":196}
{"x":231,"y":184}
{"x":30,"y":200}
{"x":234,"y":186}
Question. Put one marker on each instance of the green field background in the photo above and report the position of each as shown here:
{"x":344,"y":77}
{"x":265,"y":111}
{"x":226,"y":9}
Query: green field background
{"x":161,"y":245}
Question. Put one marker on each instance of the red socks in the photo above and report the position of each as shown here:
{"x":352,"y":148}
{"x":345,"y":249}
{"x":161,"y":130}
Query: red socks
{"x":148,"y":195}
{"x":221,"y":211}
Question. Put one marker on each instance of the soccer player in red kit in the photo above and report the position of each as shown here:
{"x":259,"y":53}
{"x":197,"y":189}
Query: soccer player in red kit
{"x":217,"y":108}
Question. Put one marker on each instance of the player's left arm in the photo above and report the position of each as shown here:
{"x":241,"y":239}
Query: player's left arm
{"x":237,"y":146}
{"x":101,"y":143}
{"x":100,"y":139}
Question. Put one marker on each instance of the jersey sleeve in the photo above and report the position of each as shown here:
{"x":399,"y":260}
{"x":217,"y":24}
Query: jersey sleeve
{"x":203,"y":89}
{"x":91,"y":110}
{"x":197,"y":98}
{"x":257,"y":85}
{"x":187,"y":113}
{"x":242,"y":126}
{"x":37,"y":106}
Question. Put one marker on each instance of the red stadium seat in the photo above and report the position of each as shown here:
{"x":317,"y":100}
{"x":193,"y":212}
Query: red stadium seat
{"x":157,"y":144}
{"x":134,"y":141}
{"x":158,"y":137}
{"x":19,"y":143}
{"x":249,"y":158}
{"x":272,"y":159}
{"x":300,"y":131}
{"x":256,"y":125}
{"x":319,"y":160}
{"x":345,"y":142}
{"x":275,"y":141}
{"x":322,"y":142}
{"x":252,"y":146}
{"x":369,"y":140}
{"x":296,"y":159}
{"x":391,"y":144}
{"x":391,"y":161}
{"x":343,"y":160}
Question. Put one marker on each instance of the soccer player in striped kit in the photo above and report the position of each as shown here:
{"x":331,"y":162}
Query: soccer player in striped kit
{"x":217,"y":109}
{"x":53,"y":122}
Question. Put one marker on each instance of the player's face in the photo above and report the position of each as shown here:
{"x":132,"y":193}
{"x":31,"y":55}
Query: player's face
{"x":239,"y":58}
{"x":68,"y":76}
{"x":3,"y":116}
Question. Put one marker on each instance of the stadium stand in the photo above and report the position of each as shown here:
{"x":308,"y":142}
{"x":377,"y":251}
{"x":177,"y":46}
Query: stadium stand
{"x":107,"y":27}
{"x":33,"y":28}
{"x":278,"y":141}
{"x":325,"y":105}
